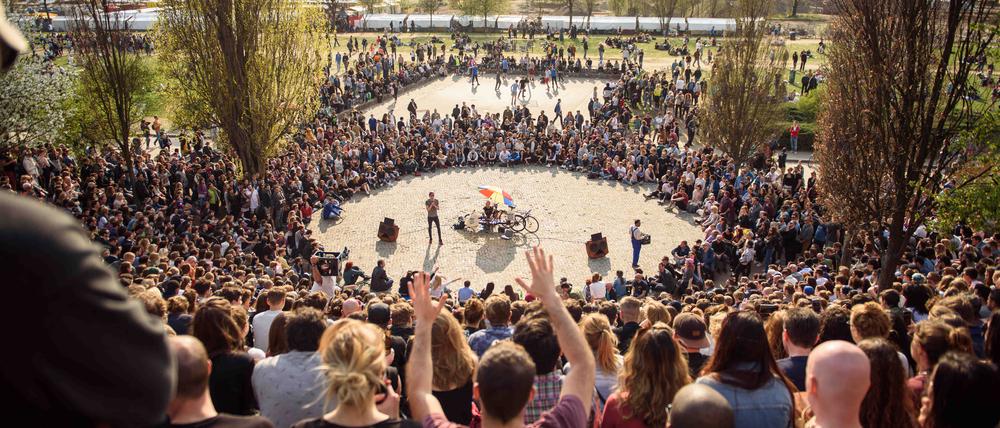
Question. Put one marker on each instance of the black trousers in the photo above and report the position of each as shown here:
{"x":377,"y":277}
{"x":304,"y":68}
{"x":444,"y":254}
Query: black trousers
{"x":433,"y":221}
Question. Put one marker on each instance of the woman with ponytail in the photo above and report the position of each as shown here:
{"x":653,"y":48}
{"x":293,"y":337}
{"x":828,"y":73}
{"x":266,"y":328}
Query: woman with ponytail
{"x":654,"y":370}
{"x":354,"y":366}
{"x":932,"y":339}
{"x":604,"y":345}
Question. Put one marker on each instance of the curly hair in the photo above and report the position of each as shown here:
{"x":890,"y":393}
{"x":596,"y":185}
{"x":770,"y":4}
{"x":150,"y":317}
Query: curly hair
{"x":869,"y":320}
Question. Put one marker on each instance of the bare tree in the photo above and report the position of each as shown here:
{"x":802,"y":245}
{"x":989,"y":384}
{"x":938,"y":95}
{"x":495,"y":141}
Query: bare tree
{"x":901,"y":95}
{"x":429,"y":7}
{"x":588,"y":7}
{"x":664,"y":9}
{"x":115,"y":78}
{"x":482,"y":8}
{"x":743,"y":101}
{"x":250,"y":67}
{"x":333,"y":11}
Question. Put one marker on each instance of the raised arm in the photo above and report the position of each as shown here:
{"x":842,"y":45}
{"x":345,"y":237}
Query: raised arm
{"x":580,"y":380}
{"x":419,"y":369}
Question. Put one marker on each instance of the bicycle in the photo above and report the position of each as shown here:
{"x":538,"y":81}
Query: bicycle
{"x":523,"y":222}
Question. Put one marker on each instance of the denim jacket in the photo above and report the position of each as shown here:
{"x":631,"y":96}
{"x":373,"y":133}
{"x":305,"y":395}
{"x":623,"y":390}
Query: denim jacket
{"x":769,"y":406}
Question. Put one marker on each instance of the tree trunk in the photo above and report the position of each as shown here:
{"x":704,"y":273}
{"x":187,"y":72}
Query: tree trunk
{"x":891,"y":256}
{"x":795,"y":8}
{"x":126,"y":152}
{"x":570,"y":13}
{"x":897,"y":238}
{"x":848,"y":239}
{"x":252,"y":162}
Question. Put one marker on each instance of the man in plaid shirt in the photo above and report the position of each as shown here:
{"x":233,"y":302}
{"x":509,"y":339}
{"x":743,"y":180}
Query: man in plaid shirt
{"x":507,"y":374}
{"x":534,"y":332}
{"x":547,"y":389}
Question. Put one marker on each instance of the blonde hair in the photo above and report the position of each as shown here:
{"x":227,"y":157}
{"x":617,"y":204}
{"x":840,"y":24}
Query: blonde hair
{"x":656,"y":312}
{"x":353,"y":355}
{"x":603,"y":343}
{"x":655,"y":369}
{"x":454,"y":360}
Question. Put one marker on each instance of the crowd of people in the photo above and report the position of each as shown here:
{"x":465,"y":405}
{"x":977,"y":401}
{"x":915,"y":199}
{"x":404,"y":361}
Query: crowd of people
{"x":773,"y":318}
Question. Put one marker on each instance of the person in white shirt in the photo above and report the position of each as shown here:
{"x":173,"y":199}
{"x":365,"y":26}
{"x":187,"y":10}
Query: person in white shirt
{"x":289,"y":387}
{"x":324,"y":283}
{"x":598,"y":290}
{"x":262,"y":321}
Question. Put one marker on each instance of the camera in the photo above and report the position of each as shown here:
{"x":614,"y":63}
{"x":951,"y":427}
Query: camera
{"x":767,"y":309}
{"x":329,"y":261}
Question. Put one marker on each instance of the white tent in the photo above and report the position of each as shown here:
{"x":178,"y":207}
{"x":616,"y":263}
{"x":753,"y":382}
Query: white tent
{"x":423,"y":22}
{"x":562,"y":22}
{"x":144,"y":19}
{"x":610,"y":23}
{"x":137,"y":19}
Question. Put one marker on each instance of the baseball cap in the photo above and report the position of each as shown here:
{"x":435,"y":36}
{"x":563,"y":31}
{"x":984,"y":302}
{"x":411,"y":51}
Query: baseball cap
{"x":809,"y":290}
{"x":690,"y":330}
{"x":918,"y":278}
{"x":378,"y":314}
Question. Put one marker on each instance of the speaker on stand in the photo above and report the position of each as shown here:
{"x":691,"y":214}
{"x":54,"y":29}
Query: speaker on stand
{"x":597,"y":246}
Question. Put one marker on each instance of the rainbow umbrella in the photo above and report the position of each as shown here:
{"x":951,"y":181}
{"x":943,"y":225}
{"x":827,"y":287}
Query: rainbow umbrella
{"x":497,"y":195}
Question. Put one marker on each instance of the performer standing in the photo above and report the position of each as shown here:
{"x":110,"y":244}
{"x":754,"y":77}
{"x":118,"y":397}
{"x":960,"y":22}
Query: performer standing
{"x":636,"y":236}
{"x":432,"y":218}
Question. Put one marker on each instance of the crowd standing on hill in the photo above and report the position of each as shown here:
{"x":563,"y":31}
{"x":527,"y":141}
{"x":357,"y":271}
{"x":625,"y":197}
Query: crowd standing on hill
{"x":772,"y":318}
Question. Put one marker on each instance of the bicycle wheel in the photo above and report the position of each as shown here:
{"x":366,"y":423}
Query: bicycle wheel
{"x":517,"y":223}
{"x":530,"y":224}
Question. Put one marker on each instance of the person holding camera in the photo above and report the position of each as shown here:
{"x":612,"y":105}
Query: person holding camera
{"x":324,"y":274}
{"x":638,"y":240}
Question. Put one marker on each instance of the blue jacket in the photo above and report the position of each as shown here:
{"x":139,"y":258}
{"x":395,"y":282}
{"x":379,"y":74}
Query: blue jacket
{"x":769,"y":406}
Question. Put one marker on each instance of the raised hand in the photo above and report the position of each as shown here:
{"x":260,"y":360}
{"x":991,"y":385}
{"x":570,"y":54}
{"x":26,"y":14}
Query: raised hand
{"x":542,"y":277}
{"x":424,"y":310}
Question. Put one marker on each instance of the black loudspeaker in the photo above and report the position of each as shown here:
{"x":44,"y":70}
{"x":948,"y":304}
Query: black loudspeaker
{"x":597,"y":246}
{"x":387,"y":230}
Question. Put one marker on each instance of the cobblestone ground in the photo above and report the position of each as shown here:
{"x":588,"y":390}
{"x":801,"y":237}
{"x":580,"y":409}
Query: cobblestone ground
{"x":569,"y":208}
{"x":443,"y":93}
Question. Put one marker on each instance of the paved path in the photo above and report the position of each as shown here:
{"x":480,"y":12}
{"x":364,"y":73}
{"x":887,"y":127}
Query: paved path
{"x":442,"y":94}
{"x":569,"y":208}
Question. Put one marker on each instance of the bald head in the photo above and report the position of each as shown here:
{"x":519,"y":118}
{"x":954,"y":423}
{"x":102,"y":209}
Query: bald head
{"x":697,"y":405}
{"x":837,"y":377}
{"x":193,"y":366}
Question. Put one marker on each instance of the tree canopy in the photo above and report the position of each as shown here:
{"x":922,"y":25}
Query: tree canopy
{"x":250,"y":67}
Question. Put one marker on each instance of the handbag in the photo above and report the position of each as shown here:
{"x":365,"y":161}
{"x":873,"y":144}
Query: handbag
{"x":646,"y":240}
